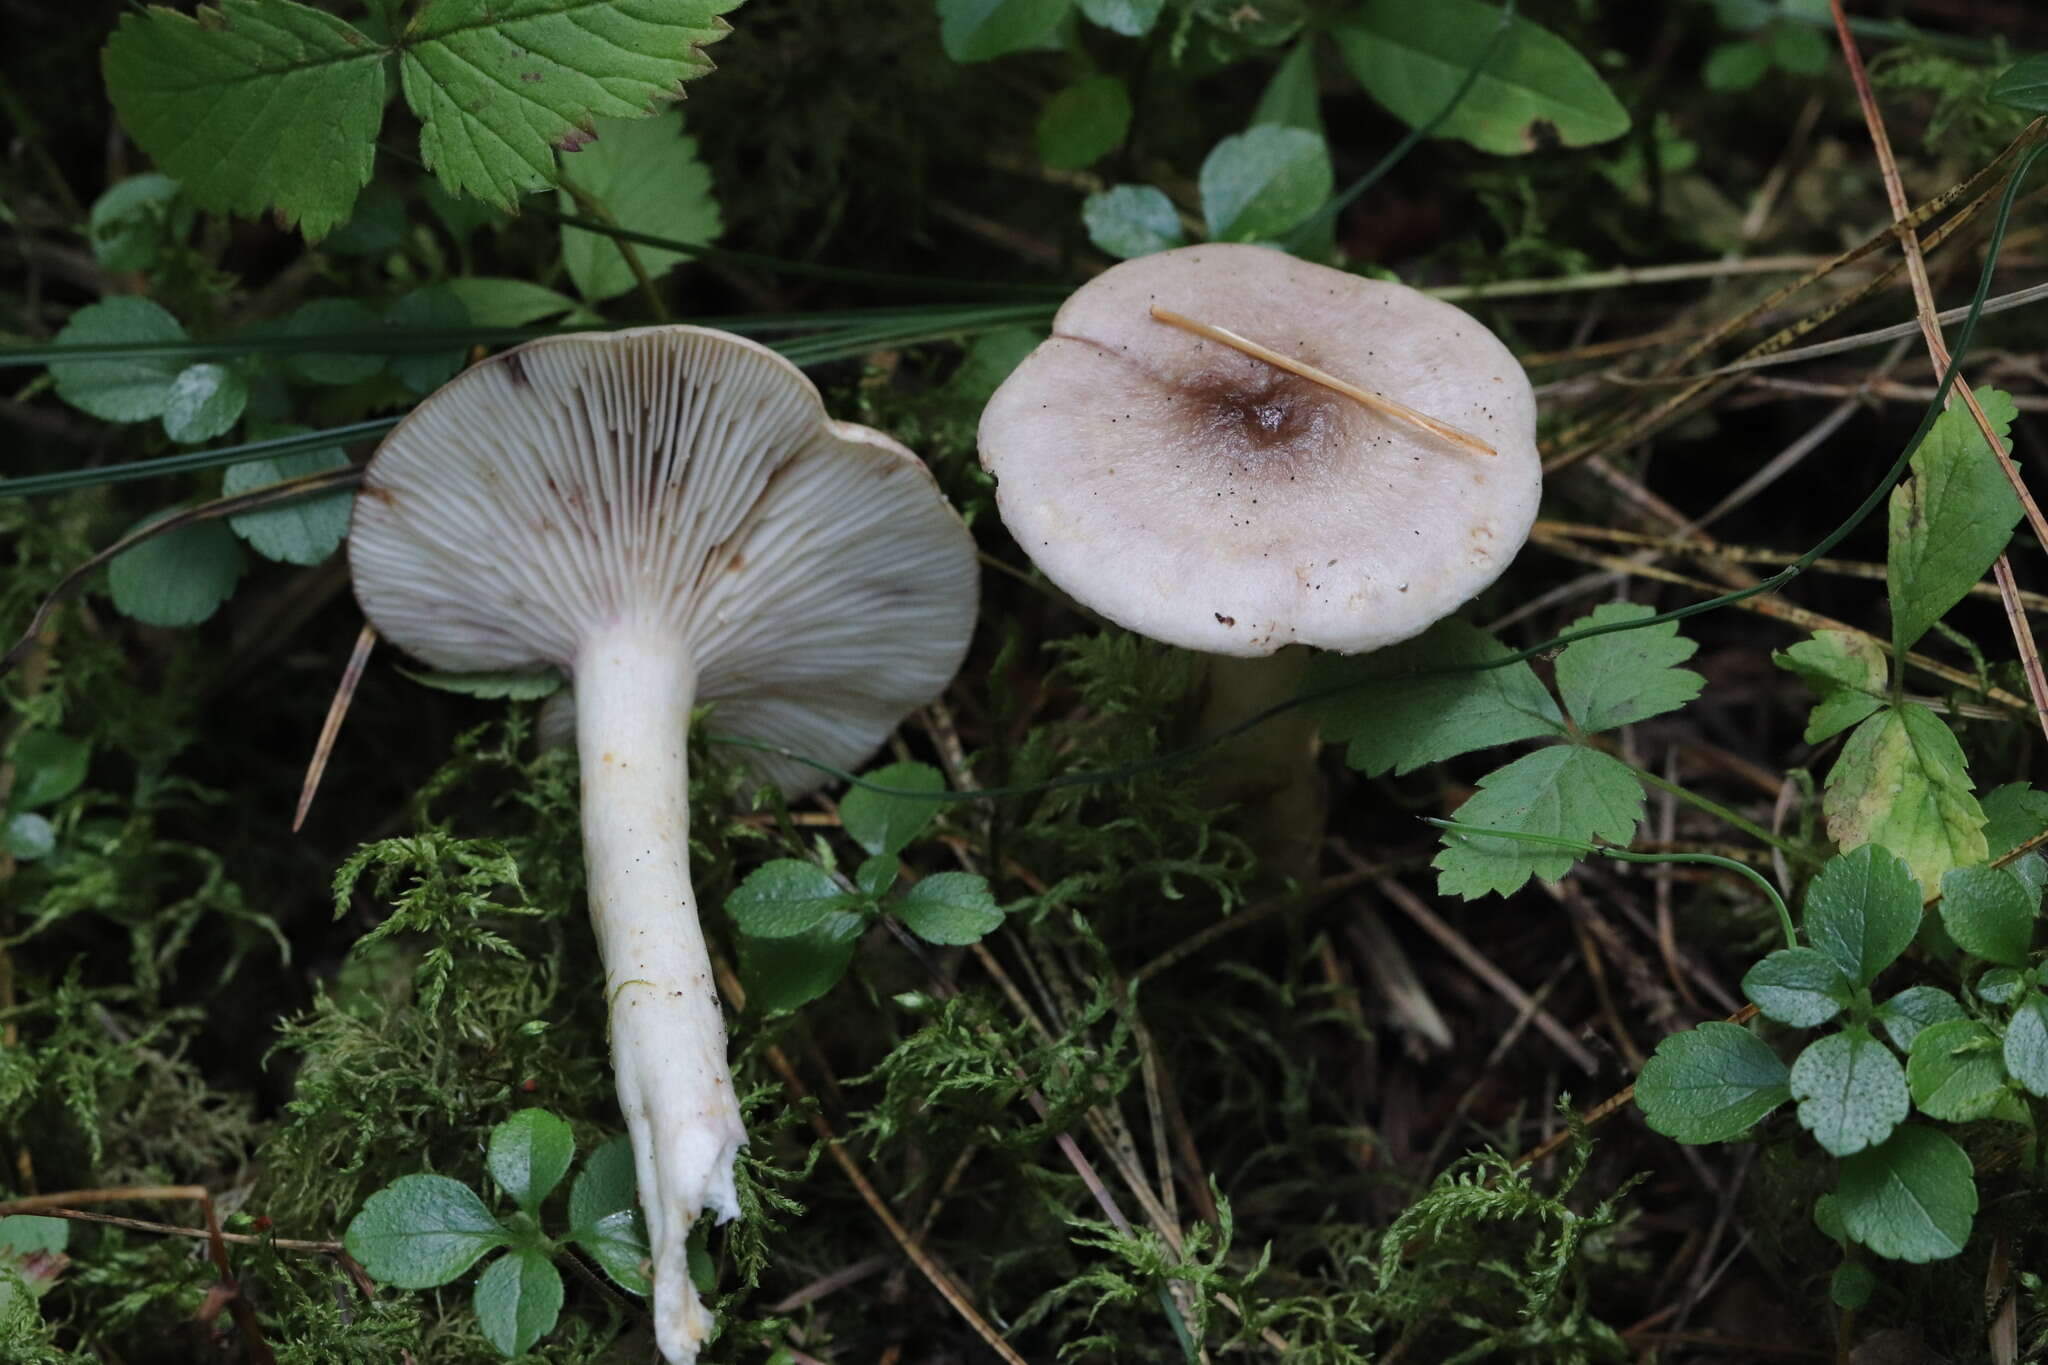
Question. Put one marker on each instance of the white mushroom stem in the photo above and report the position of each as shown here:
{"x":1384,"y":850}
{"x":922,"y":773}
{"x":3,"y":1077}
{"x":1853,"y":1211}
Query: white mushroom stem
{"x":634,"y":687}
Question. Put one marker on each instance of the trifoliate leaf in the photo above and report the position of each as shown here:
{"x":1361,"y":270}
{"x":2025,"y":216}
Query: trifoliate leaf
{"x":529,"y":1154}
{"x":1798,"y":986}
{"x":518,"y":1298}
{"x":1955,"y":1071}
{"x":1902,"y":782}
{"x":205,"y":400}
{"x":784,"y":973}
{"x":253,"y":104}
{"x":1258,"y":184}
{"x":1914,"y":1009}
{"x":1564,"y":791}
{"x":1131,"y":220}
{"x":951,"y":908}
{"x":303,"y":532}
{"x":48,"y":766}
{"x":881,"y":823}
{"x":1131,"y":18}
{"x":1711,"y":1084}
{"x":1627,"y":676}
{"x":1912,"y":1199}
{"x":2024,"y":85}
{"x":647,"y":175}
{"x":1862,"y":911}
{"x":1851,"y":1091}
{"x":422,"y":1230}
{"x":1535,"y":91}
{"x":432,"y":309}
{"x":1846,"y":670}
{"x":130,"y":389}
{"x":1950,"y":519}
{"x":1084,"y":123}
{"x":604,"y":1215}
{"x":784,"y":898}
{"x":178,"y":578}
{"x":976,"y":30}
{"x":1989,"y":913}
{"x":504,"y":685}
{"x":2026,"y":1044}
{"x":1420,"y":701}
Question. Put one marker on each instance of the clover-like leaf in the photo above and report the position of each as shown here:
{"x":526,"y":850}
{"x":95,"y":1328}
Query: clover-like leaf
{"x":1851,"y":1091}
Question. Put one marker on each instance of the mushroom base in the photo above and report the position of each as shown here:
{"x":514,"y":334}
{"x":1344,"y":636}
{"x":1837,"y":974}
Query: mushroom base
{"x":634,"y":688}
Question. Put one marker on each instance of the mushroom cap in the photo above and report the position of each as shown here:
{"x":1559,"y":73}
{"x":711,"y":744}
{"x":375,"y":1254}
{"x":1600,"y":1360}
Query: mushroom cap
{"x":1206,"y":498}
{"x":689,"y":479}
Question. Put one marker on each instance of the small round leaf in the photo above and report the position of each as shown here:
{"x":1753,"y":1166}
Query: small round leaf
{"x":529,"y":1154}
{"x":422,"y":1230}
{"x":1851,"y":1091}
{"x":179,"y":578}
{"x":950,"y":908}
{"x":1913,"y":1198}
{"x":518,"y":1299}
{"x":1131,"y":220}
{"x":205,"y":400}
{"x":1710,"y":1084}
{"x":783,"y":898}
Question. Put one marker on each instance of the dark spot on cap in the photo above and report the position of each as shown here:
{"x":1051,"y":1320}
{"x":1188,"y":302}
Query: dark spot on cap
{"x":1223,"y":620}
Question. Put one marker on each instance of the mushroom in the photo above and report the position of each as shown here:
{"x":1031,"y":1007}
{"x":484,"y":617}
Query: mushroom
{"x":669,"y":516}
{"x":1231,"y":450}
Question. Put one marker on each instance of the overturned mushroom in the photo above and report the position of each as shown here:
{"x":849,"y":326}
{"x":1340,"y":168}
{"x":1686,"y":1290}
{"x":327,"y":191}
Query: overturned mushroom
{"x":669,"y":516}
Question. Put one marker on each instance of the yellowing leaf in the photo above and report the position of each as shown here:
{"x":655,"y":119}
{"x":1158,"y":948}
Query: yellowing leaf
{"x":1902,"y":782}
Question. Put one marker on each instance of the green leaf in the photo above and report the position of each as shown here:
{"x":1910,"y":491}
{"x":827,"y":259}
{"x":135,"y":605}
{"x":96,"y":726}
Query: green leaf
{"x":1262,"y":182}
{"x":205,"y":400}
{"x":1421,"y":701}
{"x":1735,"y":66}
{"x":876,"y":875}
{"x":647,"y":174}
{"x":1798,"y":986}
{"x":303,"y":532}
{"x":529,"y":1154}
{"x":2000,"y":985}
{"x":493,"y":301}
{"x":1131,"y":18}
{"x":422,"y":1230}
{"x":976,"y":30}
{"x":518,"y":1299}
{"x":1291,"y":98}
{"x":989,"y":360}
{"x":1989,"y":913}
{"x":604,"y":1215}
{"x":784,"y":898}
{"x":887,"y":824}
{"x":784,"y":973}
{"x":1950,"y":519}
{"x":1797,"y":50}
{"x":1955,"y":1071}
{"x":2024,"y":85}
{"x":501,"y":685}
{"x":1564,"y":792}
{"x":953,"y":908}
{"x":1847,"y":670}
{"x":1851,"y":1286}
{"x":1630,"y":675}
{"x":327,"y":318}
{"x":27,"y":836}
{"x":1084,"y":123}
{"x":131,"y":389}
{"x":1851,"y":1091}
{"x":1914,"y":1009}
{"x":2013,"y":814}
{"x":132,"y":223}
{"x":1911,"y":1199}
{"x":179,"y":578}
{"x":254,"y":104}
{"x":376,"y":226}
{"x":432,"y":309}
{"x":1131,"y":220}
{"x":48,"y":766}
{"x":1536,"y":91}
{"x":1902,"y":782}
{"x":1711,"y":1084}
{"x":25,"y":1234}
{"x":1862,"y":911}
{"x":2026,"y":1044}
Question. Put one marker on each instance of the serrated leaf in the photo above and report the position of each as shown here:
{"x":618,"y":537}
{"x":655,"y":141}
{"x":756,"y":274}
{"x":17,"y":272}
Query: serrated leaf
{"x":951,"y":908}
{"x":1258,"y":184}
{"x":1131,"y":18}
{"x":501,"y":685}
{"x":1913,"y":1009}
{"x":1955,"y":1072}
{"x":2026,"y":1044}
{"x":179,"y":578}
{"x":253,"y":104}
{"x":976,"y":30}
{"x":1565,"y":792}
{"x":1902,"y":782}
{"x":1421,"y":701}
{"x":529,"y":1154}
{"x":303,"y":532}
{"x":1131,"y":220}
{"x":784,"y":898}
{"x":648,"y":176}
{"x":784,"y":973}
{"x":25,"y":1234}
{"x":130,"y":389}
{"x":48,"y":766}
{"x":1847,"y":670}
{"x":518,"y":1298}
{"x":205,"y":400}
{"x":1862,"y":911}
{"x":1083,"y":123}
{"x":1798,"y":986}
{"x":1851,"y":1091}
{"x":1535,"y":92}
{"x":1630,"y":675}
{"x":1950,"y":519}
{"x":1912,"y":1199}
{"x":27,"y":836}
{"x":886,"y":824}
{"x":604,"y":1215}
{"x":2024,"y":85}
{"x":1989,"y":913}
{"x":434,"y":308}
{"x":422,"y":1230}
{"x":1711,"y":1084}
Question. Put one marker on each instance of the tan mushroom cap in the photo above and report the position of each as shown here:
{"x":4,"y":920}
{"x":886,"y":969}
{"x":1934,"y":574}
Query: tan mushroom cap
{"x":1206,"y":498}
